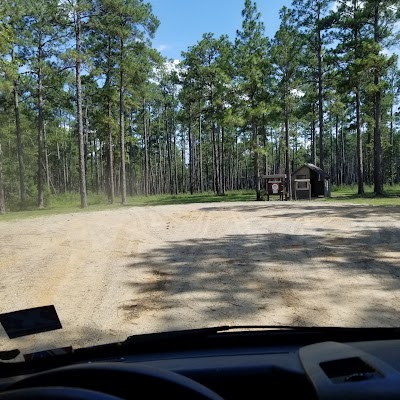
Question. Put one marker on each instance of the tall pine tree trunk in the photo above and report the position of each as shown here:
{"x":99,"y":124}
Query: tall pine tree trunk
{"x":82,"y":166}
{"x":46,"y":157}
{"x":369,"y":148}
{"x":222,"y":160}
{"x":287,"y":156}
{"x":2,"y":198}
{"x":191,"y":155}
{"x":320,"y":104}
{"x":343,"y":175}
{"x":110,"y":155}
{"x":169,"y":152}
{"x":97,"y":169}
{"x":360,"y":165}
{"x":19,"y":139}
{"x":122,"y":124}
{"x":64,"y":165}
{"x":237,"y":162}
{"x":256,"y":157}
{"x":183,"y":150}
{"x":110,"y":149}
{"x":378,"y":178}
{"x":175,"y":164}
{"x":40,"y":126}
{"x":160,"y":158}
{"x":391,"y":139}
{"x":313,"y":143}
{"x":337,"y":156}
{"x":265,"y":156}
{"x":200,"y":156}
{"x":217,"y":188}
{"x":360,"y":168}
{"x":146,"y":151}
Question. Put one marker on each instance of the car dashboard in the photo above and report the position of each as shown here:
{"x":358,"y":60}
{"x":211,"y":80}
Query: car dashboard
{"x":229,"y":365}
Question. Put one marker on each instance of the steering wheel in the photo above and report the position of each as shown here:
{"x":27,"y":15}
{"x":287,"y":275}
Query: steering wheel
{"x":107,"y":381}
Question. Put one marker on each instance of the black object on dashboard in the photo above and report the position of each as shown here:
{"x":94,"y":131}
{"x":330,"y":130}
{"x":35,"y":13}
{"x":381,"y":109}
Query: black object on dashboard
{"x":30,"y":321}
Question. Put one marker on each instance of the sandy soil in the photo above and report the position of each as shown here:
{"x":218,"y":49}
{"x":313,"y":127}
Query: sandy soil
{"x":144,"y":269}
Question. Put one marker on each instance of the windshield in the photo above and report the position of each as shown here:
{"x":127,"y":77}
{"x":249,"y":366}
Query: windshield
{"x":170,"y":165}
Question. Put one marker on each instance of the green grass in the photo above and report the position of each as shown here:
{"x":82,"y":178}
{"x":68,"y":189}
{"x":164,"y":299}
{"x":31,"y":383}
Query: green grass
{"x":349,"y":194}
{"x":70,"y":203}
{"x":195,"y":198}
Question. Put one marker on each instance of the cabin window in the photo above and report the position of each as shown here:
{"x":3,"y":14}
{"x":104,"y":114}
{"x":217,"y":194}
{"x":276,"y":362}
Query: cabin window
{"x":302,"y":185}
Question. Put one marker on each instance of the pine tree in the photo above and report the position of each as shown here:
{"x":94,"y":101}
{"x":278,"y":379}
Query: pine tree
{"x":5,"y":42}
{"x":14,"y":10}
{"x":310,"y":16}
{"x":383,"y":16}
{"x":131,"y":23}
{"x":351,"y":22}
{"x":286,"y":55}
{"x":205,"y":81}
{"x":41,"y":43}
{"x":79,"y":12}
{"x":102,"y":49}
{"x":252,"y":70}
{"x":393,"y":81}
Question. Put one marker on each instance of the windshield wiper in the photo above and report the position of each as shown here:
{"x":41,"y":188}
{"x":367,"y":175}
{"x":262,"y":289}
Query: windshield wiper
{"x":246,"y":329}
{"x":224,"y":336}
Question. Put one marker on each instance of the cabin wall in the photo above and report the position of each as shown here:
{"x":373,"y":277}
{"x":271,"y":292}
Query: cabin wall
{"x":318,"y":187}
{"x":302,"y":173}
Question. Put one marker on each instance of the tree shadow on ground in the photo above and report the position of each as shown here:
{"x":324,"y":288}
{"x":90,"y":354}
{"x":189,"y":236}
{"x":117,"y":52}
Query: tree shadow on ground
{"x":300,"y":210}
{"x":324,"y":278}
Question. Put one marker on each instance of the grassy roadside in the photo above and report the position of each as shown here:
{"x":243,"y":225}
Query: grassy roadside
{"x":69,"y":203}
{"x":349,"y":194}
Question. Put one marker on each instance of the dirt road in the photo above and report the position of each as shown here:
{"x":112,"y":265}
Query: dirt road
{"x":144,"y":269}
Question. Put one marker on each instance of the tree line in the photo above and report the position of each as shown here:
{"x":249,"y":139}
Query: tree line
{"x":87,"y":103}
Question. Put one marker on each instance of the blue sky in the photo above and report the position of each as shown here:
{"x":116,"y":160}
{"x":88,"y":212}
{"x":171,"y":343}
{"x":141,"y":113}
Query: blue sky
{"x":183,"y":22}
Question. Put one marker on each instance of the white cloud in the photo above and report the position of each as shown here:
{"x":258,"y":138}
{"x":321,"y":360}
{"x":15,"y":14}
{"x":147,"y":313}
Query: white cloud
{"x":297,"y":93}
{"x":172,"y":65}
{"x":168,"y":67}
{"x":162,"y":47}
{"x":348,"y":3}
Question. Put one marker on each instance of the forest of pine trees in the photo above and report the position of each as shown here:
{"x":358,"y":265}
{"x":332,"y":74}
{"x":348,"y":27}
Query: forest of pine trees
{"x":88,"y":105}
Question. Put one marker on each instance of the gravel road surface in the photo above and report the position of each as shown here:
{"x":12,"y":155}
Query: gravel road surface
{"x":133,"y":270}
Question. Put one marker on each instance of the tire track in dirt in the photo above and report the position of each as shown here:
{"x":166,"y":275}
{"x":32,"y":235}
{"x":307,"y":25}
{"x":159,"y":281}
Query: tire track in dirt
{"x":192,"y":224}
{"x":156,"y":284}
{"x":292,"y":281}
{"x":145,"y":269}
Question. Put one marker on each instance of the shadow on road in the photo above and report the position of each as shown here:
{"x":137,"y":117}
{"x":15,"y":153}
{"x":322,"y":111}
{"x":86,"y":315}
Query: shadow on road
{"x":324,"y":278}
{"x":304,"y":210}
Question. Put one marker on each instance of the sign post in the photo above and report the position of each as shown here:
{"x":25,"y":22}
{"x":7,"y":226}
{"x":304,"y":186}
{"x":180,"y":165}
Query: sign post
{"x":276,"y":186}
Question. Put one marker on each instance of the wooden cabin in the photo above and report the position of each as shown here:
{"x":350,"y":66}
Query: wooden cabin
{"x":312,"y":181}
